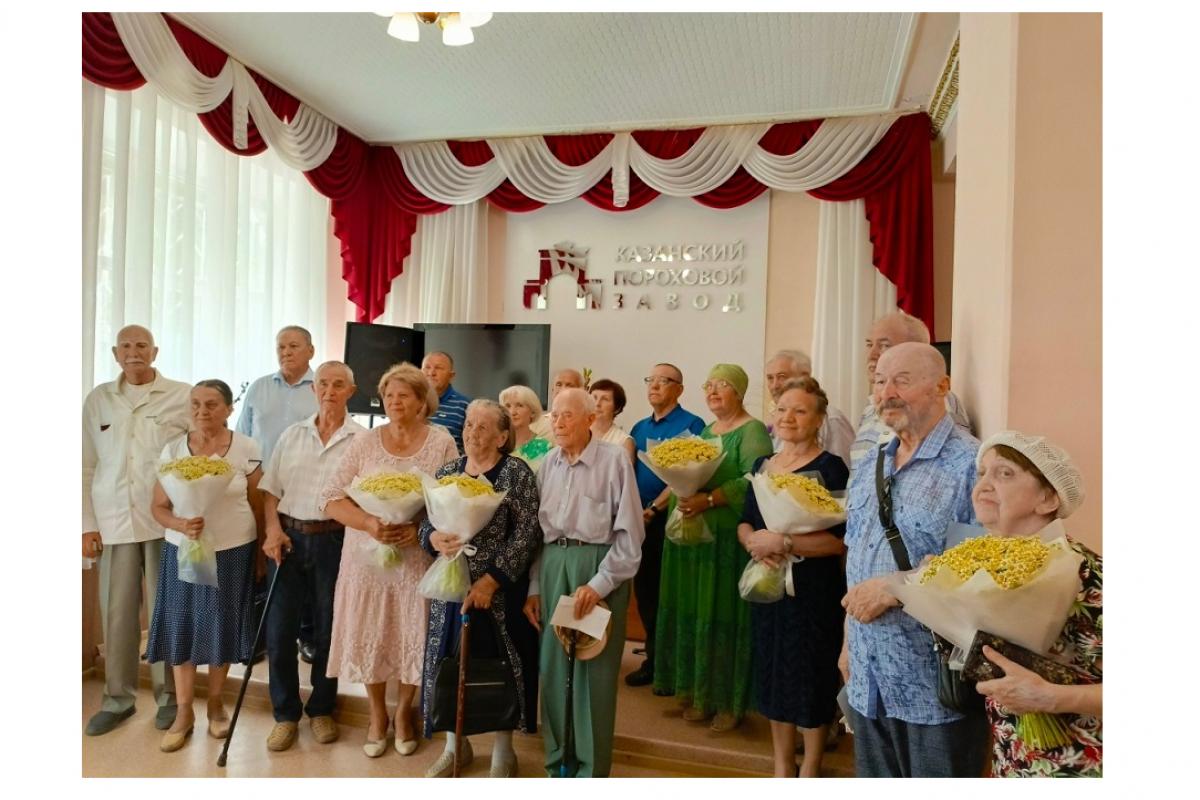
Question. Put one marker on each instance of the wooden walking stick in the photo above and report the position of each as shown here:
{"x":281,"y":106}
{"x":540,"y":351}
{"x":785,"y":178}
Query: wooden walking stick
{"x":463,"y":647}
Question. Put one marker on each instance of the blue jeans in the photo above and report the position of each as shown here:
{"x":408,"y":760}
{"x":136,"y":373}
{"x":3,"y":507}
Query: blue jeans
{"x":307,"y":576}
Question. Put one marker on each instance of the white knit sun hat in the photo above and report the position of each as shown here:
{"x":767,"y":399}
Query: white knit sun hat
{"x":1053,"y":461}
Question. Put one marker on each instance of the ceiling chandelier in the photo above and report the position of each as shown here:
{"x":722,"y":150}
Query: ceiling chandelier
{"x":456,"y":25}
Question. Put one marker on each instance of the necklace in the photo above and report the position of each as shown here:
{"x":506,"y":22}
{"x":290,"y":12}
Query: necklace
{"x":793,"y":461}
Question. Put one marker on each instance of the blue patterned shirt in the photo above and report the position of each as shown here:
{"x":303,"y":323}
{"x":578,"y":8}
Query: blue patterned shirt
{"x":873,"y":431}
{"x":893,"y":671}
{"x":452,"y":414}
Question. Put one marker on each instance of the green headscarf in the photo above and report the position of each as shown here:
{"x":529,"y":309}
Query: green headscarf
{"x":733,"y":374}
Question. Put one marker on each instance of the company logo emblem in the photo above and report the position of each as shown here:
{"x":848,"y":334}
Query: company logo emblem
{"x":563,"y":258}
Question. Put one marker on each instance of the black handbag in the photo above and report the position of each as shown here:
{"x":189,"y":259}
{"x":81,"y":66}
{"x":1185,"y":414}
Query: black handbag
{"x":954,"y":691}
{"x":490,"y":700}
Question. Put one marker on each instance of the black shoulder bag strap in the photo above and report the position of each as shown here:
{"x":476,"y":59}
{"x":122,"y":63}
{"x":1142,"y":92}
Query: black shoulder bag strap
{"x":887,"y":517}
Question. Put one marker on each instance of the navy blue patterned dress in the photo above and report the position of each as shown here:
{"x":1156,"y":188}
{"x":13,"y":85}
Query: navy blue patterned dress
{"x":797,"y":640}
{"x":505,"y":549}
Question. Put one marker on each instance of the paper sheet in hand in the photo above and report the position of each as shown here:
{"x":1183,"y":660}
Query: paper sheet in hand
{"x":593,"y":624}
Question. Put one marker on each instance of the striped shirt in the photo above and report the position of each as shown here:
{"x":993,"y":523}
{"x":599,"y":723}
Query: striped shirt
{"x":452,"y":414}
{"x":893,"y":671}
{"x":301,"y":466}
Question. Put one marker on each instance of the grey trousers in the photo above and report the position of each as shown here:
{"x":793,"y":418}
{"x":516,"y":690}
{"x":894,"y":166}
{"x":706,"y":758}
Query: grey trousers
{"x":891,"y":748}
{"x":122,"y":570}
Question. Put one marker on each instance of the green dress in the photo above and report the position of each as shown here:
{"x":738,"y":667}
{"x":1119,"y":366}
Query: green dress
{"x":705,"y":638}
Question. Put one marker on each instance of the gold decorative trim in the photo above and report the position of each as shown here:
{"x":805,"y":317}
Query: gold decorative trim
{"x":946,"y":94}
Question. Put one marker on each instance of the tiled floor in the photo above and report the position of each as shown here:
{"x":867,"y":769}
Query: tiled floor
{"x":652,"y":740}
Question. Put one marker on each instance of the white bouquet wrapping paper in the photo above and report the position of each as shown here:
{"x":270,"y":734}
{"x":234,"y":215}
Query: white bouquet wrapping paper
{"x":452,"y":510}
{"x":685,"y":479}
{"x":1031,"y":615}
{"x":192,"y":497}
{"x":783,"y":513}
{"x":393,"y":507}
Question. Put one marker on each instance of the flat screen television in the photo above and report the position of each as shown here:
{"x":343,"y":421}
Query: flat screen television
{"x":490,"y":358}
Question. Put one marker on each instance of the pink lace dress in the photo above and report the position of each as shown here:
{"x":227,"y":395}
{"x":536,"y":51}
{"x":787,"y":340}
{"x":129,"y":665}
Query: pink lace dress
{"x":379,"y":622}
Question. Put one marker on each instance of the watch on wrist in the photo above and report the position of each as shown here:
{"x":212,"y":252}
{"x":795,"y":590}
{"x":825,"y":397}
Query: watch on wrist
{"x":787,"y":543}
{"x":710,"y":500}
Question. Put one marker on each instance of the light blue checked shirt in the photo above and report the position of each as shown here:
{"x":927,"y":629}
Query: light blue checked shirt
{"x":873,"y":431}
{"x":271,"y":406}
{"x":893,"y":671}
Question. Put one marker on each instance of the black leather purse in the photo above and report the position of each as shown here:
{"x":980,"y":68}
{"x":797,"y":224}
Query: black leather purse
{"x":954,"y":691}
{"x":490,"y":698}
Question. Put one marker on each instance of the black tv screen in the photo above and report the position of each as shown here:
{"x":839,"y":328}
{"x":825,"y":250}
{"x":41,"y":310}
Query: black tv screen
{"x":490,"y":358}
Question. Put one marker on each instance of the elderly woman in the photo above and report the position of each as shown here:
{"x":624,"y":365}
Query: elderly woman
{"x":192,"y":623}
{"x":499,"y":566}
{"x":1025,"y":486}
{"x":797,"y":640}
{"x":378,"y":617}
{"x":524,"y":410}
{"x":704,"y":637}
{"x":610,"y":402}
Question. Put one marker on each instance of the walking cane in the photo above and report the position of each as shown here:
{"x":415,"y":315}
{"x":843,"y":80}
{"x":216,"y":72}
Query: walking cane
{"x":262,"y":624}
{"x":463,"y":647}
{"x":569,"y":733}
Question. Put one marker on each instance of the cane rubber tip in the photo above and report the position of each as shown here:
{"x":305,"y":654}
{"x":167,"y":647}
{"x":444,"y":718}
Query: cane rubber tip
{"x":221,"y":760}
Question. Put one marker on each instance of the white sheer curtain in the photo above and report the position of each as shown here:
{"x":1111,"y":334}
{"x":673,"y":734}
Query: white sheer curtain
{"x":445,"y":278}
{"x":851,"y":293}
{"x":213,"y":252}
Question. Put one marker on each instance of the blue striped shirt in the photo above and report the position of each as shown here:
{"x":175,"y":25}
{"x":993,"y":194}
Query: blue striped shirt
{"x":452,"y":414}
{"x":893,"y":671}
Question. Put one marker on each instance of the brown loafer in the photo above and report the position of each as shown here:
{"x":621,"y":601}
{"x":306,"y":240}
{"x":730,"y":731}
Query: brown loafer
{"x":174,"y":741}
{"x":282,"y":736}
{"x":324,"y":729}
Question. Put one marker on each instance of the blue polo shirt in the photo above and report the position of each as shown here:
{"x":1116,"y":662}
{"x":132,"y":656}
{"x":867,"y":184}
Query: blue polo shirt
{"x":676,"y":422}
{"x":452,"y":414}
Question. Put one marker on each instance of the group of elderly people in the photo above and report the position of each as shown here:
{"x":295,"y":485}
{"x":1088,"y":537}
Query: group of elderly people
{"x":582,"y":516}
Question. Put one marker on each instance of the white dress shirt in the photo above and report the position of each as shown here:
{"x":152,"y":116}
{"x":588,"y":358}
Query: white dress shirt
{"x":302,"y":466}
{"x":122,"y":440}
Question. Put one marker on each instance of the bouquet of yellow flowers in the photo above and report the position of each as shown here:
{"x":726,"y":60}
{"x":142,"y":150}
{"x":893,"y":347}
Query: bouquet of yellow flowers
{"x":394,"y":497}
{"x":194,"y":483}
{"x":685,"y":464}
{"x":796,"y":503}
{"x":463,"y":506}
{"x":1020,"y":589}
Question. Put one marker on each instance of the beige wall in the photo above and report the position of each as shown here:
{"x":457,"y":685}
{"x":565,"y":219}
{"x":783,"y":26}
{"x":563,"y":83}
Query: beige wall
{"x":1027,"y":296}
{"x":943,"y":259}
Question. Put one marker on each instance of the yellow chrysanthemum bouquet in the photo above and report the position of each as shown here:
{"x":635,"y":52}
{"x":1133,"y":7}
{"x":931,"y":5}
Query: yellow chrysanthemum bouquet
{"x":194,"y":484}
{"x":463,"y":506}
{"x":394,"y":497}
{"x":789,"y":503}
{"x":685,"y":464}
{"x":1018,"y":588}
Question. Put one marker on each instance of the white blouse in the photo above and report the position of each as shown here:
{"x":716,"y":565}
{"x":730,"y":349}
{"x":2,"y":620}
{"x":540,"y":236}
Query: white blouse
{"x":230,"y":523}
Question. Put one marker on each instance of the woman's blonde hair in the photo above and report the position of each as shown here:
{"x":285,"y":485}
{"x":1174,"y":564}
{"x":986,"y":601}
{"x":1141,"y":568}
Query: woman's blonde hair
{"x":526,"y":397}
{"x":415,"y":380}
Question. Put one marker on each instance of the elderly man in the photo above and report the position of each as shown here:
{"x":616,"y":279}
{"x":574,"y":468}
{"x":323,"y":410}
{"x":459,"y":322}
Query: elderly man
{"x":593,"y":537}
{"x":925,"y":477}
{"x":837,"y":434}
{"x":305,"y":548}
{"x":664,"y":386}
{"x":126,"y":424}
{"x":886,"y":332}
{"x":282,"y":398}
{"x":272,"y":404}
{"x":452,"y":406}
{"x":563,"y":379}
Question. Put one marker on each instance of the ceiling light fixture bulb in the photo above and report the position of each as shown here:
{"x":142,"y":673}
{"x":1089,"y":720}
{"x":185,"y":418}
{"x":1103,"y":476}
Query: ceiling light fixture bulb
{"x":404,"y":26}
{"x":454,"y":32}
{"x":473,"y":19}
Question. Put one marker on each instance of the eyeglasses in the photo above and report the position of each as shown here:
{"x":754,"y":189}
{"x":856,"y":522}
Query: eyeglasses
{"x":708,"y":386}
{"x":659,"y":381}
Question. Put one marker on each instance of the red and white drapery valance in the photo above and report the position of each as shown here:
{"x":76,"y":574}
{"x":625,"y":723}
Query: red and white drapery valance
{"x":377,"y":191}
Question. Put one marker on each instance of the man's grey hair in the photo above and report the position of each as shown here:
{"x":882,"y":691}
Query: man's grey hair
{"x":302,"y":331}
{"x":914,"y":329}
{"x":447,"y":356}
{"x":586,"y":400}
{"x":800,"y":361}
{"x":342,"y":364}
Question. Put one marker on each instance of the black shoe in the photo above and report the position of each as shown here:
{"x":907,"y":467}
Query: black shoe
{"x":308,"y":652}
{"x":164,"y":718}
{"x":104,"y":721}
{"x":258,"y":656}
{"x":642,"y":676}
{"x":663,"y":692}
